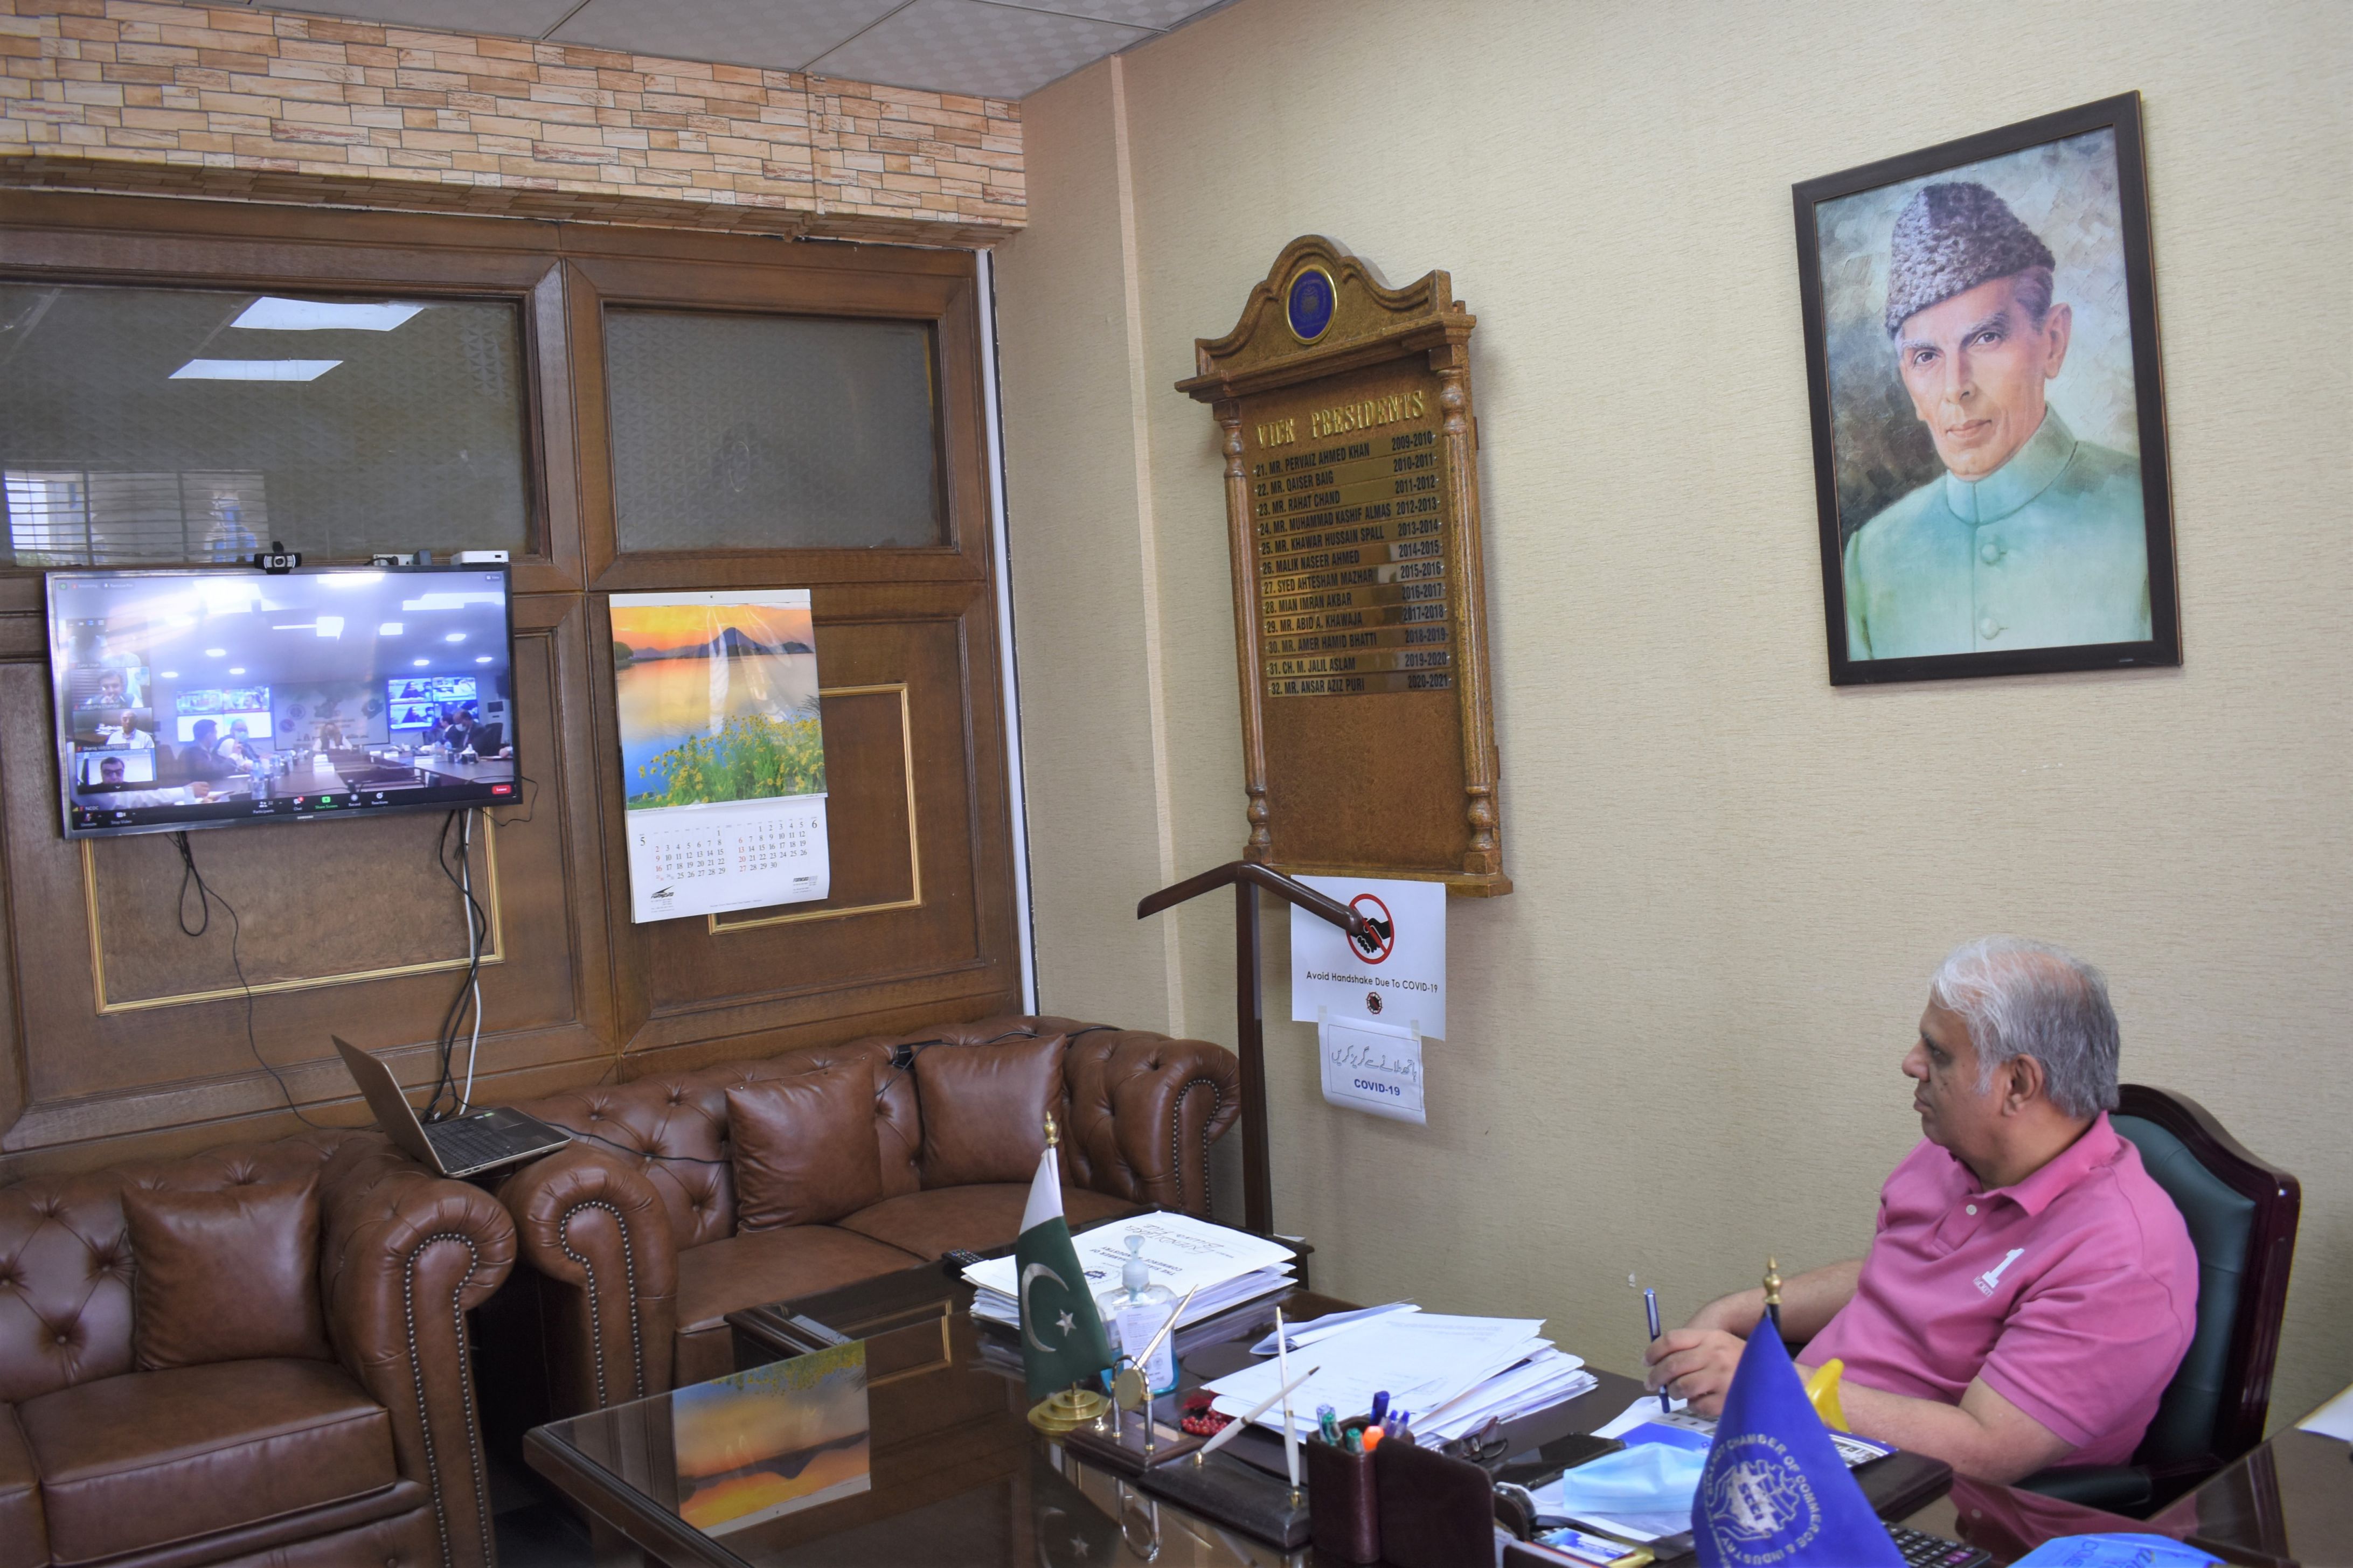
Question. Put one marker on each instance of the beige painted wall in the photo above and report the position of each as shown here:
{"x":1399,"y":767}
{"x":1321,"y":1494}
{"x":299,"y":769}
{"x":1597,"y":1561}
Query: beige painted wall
{"x":1675,"y":1048}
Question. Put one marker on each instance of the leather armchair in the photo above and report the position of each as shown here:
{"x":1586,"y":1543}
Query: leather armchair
{"x":372,"y":1457}
{"x":630,"y":1237}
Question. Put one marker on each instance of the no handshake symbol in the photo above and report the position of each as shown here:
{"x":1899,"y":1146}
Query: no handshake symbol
{"x":1380,"y":933}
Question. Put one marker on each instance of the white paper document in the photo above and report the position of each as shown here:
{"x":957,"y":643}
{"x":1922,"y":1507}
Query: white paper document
{"x":1396,"y":976}
{"x":1426,"y":1361}
{"x":1645,"y":1409}
{"x":1323,"y":1328}
{"x":1372,"y":1068}
{"x":1228,"y":1266}
{"x":2334,"y":1420}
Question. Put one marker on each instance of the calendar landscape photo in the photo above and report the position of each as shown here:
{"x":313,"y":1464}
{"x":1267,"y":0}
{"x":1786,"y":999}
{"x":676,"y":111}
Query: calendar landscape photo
{"x":717,"y":702}
{"x":723,"y":751}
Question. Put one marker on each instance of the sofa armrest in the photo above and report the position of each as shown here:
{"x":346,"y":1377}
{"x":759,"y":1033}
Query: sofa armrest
{"x":595,"y":1232}
{"x":1144,"y":1109}
{"x":405,"y":1253}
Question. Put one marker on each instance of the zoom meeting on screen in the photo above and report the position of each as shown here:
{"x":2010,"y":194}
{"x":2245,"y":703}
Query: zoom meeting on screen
{"x":195,"y":699}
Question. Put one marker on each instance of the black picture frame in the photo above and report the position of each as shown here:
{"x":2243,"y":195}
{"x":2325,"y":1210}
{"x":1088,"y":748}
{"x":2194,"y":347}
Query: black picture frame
{"x":2121,"y":116}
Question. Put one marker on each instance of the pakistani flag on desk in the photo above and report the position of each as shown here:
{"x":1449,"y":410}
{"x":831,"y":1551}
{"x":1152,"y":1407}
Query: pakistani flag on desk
{"x":1774,"y":1493}
{"x":1062,"y":1338}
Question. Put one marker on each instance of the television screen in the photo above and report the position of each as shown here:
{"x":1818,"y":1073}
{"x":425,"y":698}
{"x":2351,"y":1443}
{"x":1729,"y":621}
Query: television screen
{"x":205,"y":697}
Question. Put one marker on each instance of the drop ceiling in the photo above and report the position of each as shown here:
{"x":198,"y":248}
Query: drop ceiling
{"x":986,"y":48}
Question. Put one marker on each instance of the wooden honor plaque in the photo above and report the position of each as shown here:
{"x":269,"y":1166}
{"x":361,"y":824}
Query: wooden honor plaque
{"x":1352,"y":507}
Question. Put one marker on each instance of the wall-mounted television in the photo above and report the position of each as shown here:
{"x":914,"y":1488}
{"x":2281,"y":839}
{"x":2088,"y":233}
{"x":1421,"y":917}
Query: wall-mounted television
{"x":205,"y":698}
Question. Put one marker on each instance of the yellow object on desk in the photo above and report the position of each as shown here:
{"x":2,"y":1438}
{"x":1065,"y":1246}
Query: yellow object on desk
{"x":1822,"y":1390}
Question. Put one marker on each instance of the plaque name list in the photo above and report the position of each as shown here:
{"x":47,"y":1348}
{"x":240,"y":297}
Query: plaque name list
{"x":1352,"y":506}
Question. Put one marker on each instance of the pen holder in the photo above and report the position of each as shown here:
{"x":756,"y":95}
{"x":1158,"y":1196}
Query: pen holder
{"x":1343,"y":1507}
{"x":1435,"y":1512}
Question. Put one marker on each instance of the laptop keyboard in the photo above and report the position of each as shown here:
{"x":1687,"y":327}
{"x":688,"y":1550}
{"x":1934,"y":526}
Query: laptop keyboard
{"x":472,"y":1141}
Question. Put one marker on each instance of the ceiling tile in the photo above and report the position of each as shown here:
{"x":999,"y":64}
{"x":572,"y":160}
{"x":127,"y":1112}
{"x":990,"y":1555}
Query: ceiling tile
{"x":1135,"y":12}
{"x":508,"y":18}
{"x":970,"y":46}
{"x":768,"y":33}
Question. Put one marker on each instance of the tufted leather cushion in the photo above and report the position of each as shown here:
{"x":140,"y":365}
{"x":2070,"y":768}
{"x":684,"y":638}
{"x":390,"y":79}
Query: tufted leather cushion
{"x":985,"y":1108}
{"x":673,"y":1129}
{"x":129,"y":1463}
{"x":66,"y":1261}
{"x":805,"y":1149}
{"x":227,"y":1276}
{"x":979,"y":1217}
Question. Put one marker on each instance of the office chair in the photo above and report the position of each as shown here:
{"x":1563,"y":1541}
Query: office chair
{"x":2242,"y":1214}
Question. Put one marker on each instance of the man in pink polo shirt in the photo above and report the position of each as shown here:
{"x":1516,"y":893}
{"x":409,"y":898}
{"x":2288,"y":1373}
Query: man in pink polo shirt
{"x":2030,"y":1291}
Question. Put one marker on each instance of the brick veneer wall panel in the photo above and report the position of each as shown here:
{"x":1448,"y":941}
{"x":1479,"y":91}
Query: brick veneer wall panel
{"x":128,"y":95}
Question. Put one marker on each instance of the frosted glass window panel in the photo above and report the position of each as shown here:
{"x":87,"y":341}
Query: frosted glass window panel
{"x":189,"y":425}
{"x":743,"y":432}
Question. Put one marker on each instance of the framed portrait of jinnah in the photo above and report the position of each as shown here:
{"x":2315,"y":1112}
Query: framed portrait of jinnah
{"x":1989,"y":417}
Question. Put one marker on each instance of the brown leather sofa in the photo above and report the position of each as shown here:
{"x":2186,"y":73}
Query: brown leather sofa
{"x":631,"y":1236}
{"x":364,"y":1450}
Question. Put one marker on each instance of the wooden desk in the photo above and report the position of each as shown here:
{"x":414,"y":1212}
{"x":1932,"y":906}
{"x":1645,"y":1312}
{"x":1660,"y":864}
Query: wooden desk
{"x":2288,"y":1503}
{"x":959,"y":1477}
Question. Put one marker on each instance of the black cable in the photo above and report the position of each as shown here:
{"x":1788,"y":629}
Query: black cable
{"x":647,"y":1153}
{"x":453,"y":1021}
{"x":206,"y":898}
{"x":529,"y":807}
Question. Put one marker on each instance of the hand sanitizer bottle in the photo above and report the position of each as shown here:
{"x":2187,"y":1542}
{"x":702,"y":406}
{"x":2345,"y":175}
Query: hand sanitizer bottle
{"x":1135,"y":1311}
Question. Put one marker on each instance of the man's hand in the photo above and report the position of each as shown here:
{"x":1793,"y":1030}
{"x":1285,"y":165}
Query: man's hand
{"x":1695,"y":1365}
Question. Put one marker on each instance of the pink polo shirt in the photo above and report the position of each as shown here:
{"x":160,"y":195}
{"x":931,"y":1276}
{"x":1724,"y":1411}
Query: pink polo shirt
{"x":2073,"y":1293}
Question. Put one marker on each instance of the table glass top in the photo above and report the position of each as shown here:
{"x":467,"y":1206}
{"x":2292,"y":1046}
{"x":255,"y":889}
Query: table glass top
{"x":958,"y":1474}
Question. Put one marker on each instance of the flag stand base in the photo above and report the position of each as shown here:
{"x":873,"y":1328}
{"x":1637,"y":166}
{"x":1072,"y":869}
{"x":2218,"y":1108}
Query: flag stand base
{"x":1068,"y":1410}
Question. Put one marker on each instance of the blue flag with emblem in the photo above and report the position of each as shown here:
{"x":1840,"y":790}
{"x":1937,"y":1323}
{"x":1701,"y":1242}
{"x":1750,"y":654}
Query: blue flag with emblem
{"x":1774,"y":1493}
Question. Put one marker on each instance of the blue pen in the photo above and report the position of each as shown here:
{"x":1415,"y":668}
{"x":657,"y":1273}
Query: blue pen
{"x":1650,"y":1311}
{"x":1380,"y":1406}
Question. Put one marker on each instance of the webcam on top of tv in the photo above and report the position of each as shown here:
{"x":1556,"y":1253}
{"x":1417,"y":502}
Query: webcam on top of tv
{"x":278,"y":560}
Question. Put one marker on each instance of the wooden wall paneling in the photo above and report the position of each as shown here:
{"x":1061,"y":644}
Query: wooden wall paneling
{"x":129,"y":240}
{"x":629,"y":987}
{"x":708,"y":993}
{"x":695,"y":969}
{"x":873,"y":819}
{"x":358,"y":905}
{"x":893,"y":289}
{"x":907,"y":642}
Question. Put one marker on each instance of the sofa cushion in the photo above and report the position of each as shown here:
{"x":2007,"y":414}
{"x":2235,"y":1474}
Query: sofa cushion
{"x":804,"y":1148}
{"x":24,"y":1538}
{"x":756,"y":1267}
{"x":134,"y":1462}
{"x":978,"y":1217}
{"x":229,"y":1275}
{"x":985,"y":1108}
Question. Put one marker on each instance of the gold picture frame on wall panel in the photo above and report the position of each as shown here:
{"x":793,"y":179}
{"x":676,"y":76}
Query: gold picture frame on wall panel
{"x":914,"y":899}
{"x":1360,"y":620}
{"x":495,"y":954}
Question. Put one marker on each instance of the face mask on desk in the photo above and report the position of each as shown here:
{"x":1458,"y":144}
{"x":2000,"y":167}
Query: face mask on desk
{"x":1649,"y":1477}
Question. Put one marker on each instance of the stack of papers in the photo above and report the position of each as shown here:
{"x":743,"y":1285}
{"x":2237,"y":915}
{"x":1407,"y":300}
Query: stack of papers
{"x":1450,"y":1374}
{"x":1642,"y":1422}
{"x":1228,"y":1266}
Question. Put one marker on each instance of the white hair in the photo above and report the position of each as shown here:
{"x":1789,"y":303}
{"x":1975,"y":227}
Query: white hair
{"x":2023,"y":998}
